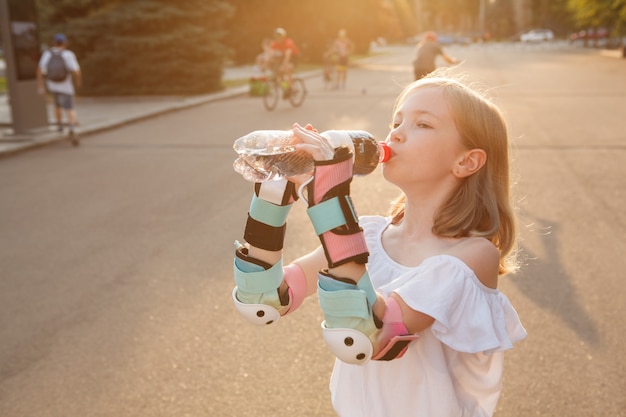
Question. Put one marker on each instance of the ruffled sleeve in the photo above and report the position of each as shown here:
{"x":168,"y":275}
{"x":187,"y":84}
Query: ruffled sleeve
{"x":469,"y":317}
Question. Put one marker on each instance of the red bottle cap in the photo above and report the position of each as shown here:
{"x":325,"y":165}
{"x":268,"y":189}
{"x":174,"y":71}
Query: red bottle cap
{"x":384,"y":152}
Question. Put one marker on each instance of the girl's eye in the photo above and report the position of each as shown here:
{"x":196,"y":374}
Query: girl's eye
{"x":423,"y":125}
{"x":394,"y":125}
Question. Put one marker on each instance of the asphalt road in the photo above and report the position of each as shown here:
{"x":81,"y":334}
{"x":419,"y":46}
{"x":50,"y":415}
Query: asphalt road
{"x":116,"y":258}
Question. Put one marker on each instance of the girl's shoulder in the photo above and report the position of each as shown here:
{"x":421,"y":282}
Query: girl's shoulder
{"x":482,"y":256}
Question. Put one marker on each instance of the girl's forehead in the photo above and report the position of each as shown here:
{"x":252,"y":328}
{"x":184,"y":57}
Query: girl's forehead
{"x":424,"y":99}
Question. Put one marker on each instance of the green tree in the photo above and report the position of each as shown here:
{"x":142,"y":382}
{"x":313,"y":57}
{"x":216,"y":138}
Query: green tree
{"x":147,"y":47}
{"x":311,"y":23}
{"x":450,"y":15}
{"x":600,"y":13}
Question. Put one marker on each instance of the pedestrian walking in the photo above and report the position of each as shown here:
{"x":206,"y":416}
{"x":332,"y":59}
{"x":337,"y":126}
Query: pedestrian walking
{"x":342,"y":47}
{"x":59,"y":68}
{"x":426,"y":53}
{"x":410,"y":298}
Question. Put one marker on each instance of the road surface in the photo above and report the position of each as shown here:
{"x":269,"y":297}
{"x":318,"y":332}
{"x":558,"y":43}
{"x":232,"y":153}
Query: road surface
{"x":116,"y":258}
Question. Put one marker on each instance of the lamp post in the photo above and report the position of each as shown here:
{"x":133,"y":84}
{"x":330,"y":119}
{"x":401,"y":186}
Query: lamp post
{"x":18,"y":23}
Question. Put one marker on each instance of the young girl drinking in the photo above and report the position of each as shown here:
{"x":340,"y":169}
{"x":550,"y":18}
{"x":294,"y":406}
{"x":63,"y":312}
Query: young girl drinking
{"x":411,"y":301}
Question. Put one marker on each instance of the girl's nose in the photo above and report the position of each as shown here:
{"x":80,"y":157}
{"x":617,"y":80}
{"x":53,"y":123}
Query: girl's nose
{"x":394,"y":135}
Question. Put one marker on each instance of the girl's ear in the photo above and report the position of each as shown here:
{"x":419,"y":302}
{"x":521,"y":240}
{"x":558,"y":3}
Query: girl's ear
{"x":472,"y":161}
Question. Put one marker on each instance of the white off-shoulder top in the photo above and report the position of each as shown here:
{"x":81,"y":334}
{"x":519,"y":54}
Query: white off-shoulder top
{"x":455,"y":368}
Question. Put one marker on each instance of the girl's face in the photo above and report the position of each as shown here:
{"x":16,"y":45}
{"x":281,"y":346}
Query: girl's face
{"x":424,"y":141}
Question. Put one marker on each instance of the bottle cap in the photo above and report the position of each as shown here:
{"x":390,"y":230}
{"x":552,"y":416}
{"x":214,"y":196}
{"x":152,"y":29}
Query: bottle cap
{"x":384,"y":152}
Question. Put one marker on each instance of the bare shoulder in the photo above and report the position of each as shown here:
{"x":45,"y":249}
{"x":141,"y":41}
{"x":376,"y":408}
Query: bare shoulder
{"x":482,"y":257}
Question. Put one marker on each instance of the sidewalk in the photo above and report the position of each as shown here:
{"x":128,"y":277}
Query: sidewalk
{"x":101,"y":113}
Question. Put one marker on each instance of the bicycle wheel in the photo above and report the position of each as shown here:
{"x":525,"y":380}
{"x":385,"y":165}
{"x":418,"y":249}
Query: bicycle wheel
{"x":298,"y":92}
{"x":271,"y":95}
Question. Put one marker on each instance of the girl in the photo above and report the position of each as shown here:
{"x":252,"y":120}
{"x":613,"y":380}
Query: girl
{"x":430,"y":268}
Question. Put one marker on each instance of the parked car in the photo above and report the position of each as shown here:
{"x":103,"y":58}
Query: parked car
{"x":594,"y":36}
{"x":537,"y":35}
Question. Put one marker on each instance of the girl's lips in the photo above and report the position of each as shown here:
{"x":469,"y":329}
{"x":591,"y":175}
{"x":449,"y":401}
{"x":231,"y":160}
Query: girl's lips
{"x":384,"y":152}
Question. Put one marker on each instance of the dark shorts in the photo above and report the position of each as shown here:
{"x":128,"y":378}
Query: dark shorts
{"x":64,"y":101}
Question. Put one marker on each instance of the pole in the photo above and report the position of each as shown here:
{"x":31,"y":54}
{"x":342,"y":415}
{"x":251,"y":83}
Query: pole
{"x":20,"y":39}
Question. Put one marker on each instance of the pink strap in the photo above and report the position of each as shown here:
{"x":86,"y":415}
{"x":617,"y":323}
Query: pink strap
{"x":393,"y":324}
{"x":394,"y":337}
{"x":329,"y":176}
{"x":296,"y":280}
{"x":342,"y":247}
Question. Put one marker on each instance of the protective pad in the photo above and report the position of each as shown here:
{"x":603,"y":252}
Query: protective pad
{"x":394,"y":334}
{"x":267,"y":216}
{"x":258,"y":314}
{"x":351,"y":329}
{"x":332,"y":213}
{"x":256,"y":294}
{"x":349,"y":323}
{"x":258,"y":283}
{"x":296,"y":281}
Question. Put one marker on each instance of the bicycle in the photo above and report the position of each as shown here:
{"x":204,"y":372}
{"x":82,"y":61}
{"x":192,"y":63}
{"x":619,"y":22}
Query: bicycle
{"x":275,"y":88}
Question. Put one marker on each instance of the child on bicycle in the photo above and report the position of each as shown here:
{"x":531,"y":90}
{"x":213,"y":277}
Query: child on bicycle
{"x":285,"y":56}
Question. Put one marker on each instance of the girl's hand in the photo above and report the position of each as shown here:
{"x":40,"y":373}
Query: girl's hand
{"x":308,"y":140}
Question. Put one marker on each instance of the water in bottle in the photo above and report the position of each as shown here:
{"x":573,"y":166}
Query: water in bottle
{"x":268,"y":154}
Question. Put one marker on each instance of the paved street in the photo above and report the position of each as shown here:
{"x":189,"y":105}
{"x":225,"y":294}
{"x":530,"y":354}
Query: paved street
{"x":116,"y":257}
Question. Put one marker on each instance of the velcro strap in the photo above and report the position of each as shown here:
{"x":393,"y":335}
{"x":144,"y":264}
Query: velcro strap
{"x":395,"y":348}
{"x":327,"y":215}
{"x":268,"y":213}
{"x":261,"y":281}
{"x":263,"y":235}
{"x":365,"y":283}
{"x":337,"y":298}
{"x":344,"y":303}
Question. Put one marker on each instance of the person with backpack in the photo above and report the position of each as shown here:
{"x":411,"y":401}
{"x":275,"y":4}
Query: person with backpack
{"x":59,"y":67}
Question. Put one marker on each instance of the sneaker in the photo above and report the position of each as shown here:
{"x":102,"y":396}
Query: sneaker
{"x":73,"y":138}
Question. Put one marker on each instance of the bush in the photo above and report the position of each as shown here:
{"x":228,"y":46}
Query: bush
{"x":145,"y":47}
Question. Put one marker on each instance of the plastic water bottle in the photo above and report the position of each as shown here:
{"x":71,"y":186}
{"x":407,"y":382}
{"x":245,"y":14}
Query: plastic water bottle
{"x":266,"y":155}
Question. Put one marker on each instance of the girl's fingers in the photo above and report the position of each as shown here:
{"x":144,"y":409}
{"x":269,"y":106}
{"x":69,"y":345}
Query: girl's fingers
{"x":316,"y":152}
{"x":310,"y":141}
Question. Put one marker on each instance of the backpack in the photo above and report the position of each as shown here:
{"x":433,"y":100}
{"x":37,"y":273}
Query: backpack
{"x":56,"y":69}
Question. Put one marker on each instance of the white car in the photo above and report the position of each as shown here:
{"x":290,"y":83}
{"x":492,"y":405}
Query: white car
{"x":537,"y":35}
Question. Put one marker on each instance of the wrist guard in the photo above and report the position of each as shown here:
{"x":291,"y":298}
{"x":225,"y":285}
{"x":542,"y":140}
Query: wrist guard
{"x":332,"y":213}
{"x":267,"y":217}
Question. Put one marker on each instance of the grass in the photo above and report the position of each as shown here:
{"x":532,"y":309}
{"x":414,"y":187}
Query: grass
{"x":244,"y":81}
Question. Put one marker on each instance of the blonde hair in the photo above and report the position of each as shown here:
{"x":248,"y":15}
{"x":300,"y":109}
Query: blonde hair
{"x":481,"y":204}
